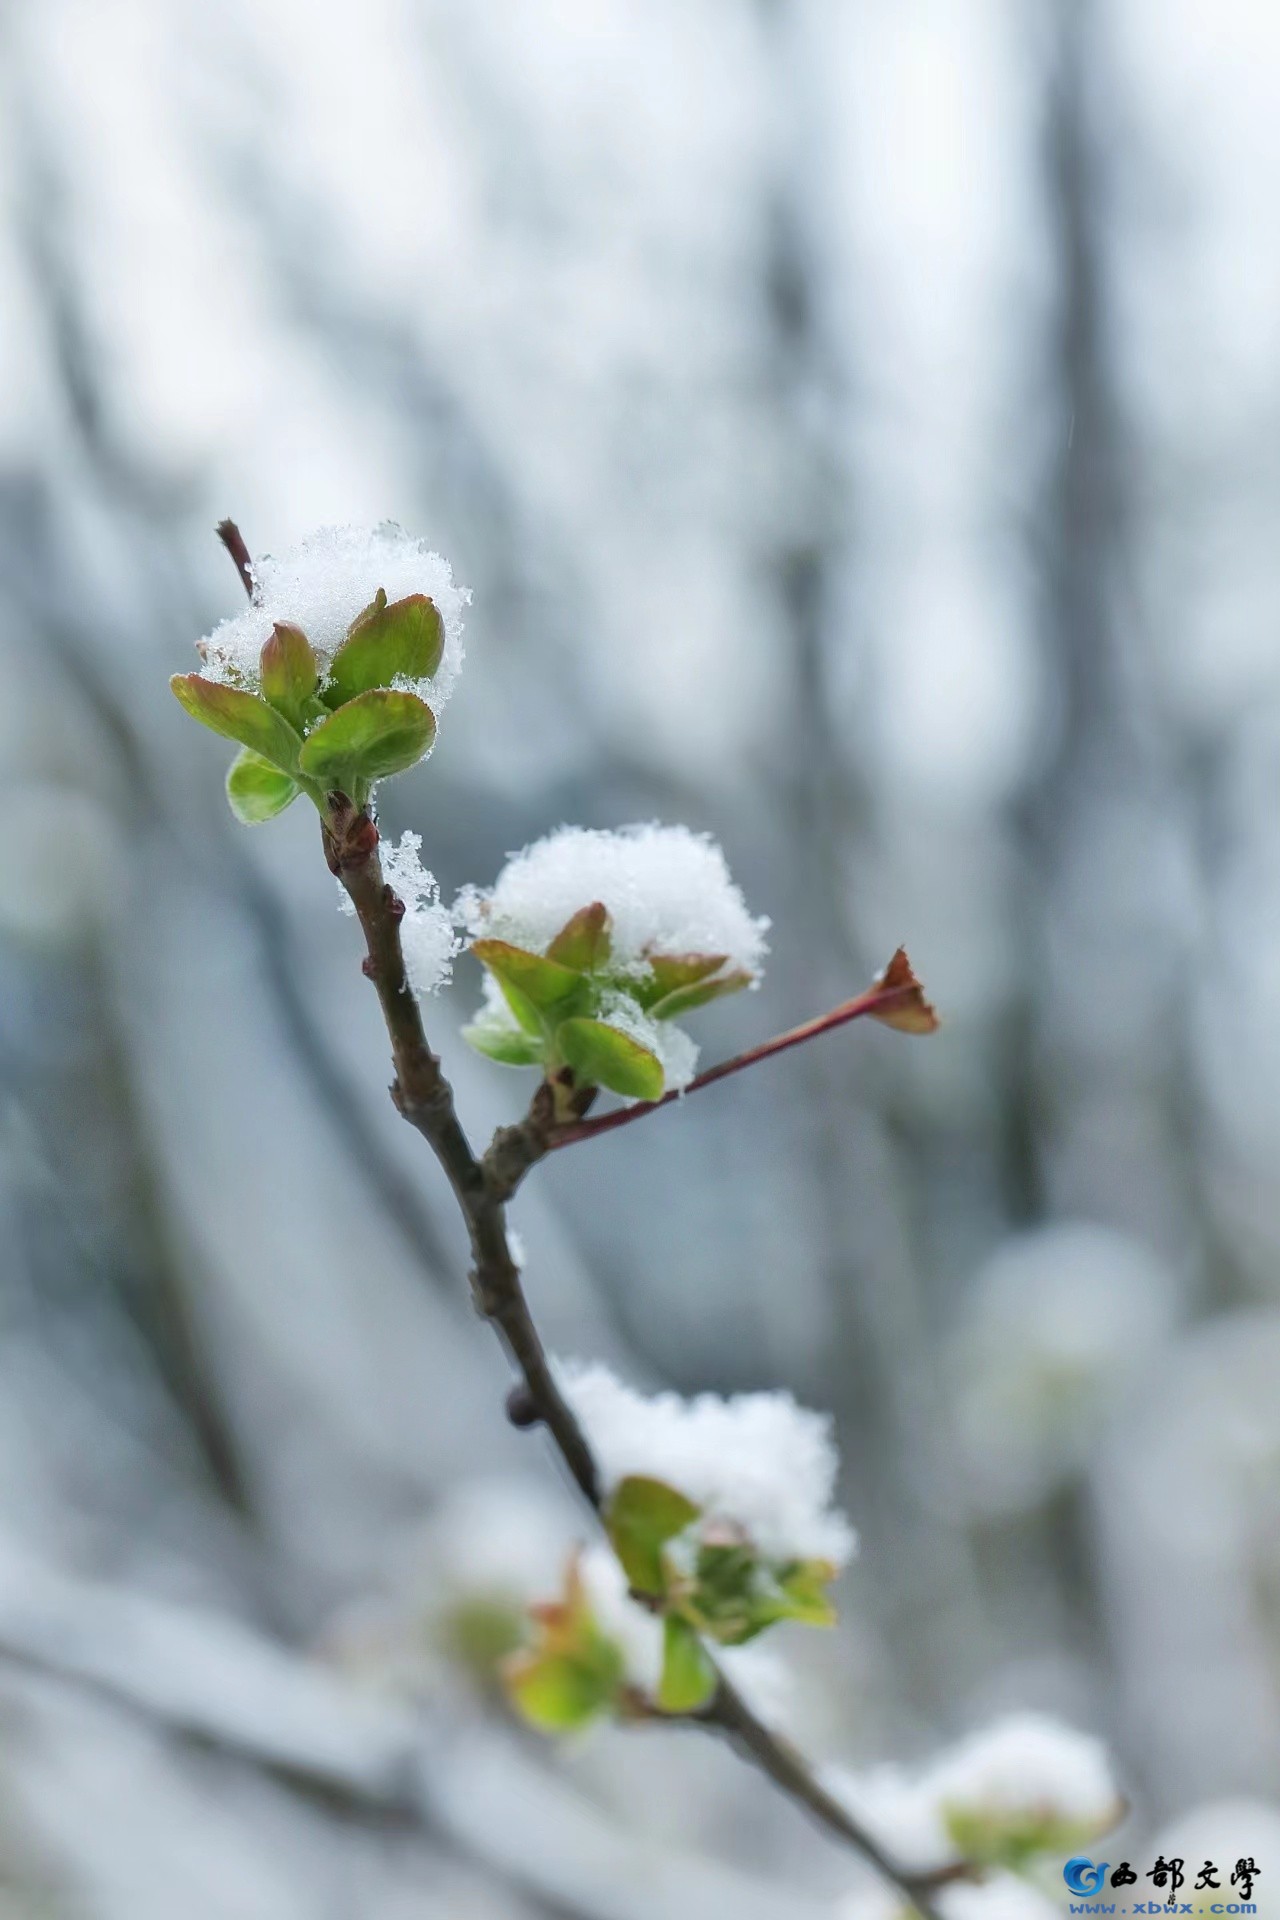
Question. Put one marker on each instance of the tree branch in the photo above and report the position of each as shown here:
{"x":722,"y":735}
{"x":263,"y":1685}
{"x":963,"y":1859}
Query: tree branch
{"x":482,"y":1187}
{"x":424,"y":1097}
{"x":897,"y":999}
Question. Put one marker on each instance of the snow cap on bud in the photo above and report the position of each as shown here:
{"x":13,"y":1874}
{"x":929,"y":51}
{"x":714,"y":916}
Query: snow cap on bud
{"x":596,"y":943}
{"x":1025,"y":1786}
{"x":339,"y":586}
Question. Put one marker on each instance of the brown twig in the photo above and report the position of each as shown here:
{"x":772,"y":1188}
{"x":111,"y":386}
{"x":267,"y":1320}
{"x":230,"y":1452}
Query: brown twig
{"x":482,"y":1186}
{"x":896,"y":998}
{"x":423,"y":1096}
{"x":233,"y":540}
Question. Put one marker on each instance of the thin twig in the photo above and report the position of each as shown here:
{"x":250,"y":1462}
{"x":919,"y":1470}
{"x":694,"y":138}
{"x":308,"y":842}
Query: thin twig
{"x":896,"y":998}
{"x":233,"y":540}
{"x":424,"y":1097}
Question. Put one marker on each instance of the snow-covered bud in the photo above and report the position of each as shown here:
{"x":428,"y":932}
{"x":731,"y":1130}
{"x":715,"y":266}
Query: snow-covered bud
{"x":599,"y":1652}
{"x":334,"y":675}
{"x":596,"y":943}
{"x":719,"y":1512}
{"x":1025,"y":1787}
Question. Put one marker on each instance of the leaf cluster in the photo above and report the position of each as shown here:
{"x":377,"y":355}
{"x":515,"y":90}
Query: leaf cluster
{"x":304,"y":731}
{"x":560,"y":1001}
{"x":707,"y":1584}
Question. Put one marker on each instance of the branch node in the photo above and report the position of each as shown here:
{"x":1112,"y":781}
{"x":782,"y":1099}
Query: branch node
{"x":522,"y":1409}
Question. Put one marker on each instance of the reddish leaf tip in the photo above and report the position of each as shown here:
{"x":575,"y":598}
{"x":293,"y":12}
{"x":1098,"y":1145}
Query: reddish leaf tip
{"x":905,"y":1006}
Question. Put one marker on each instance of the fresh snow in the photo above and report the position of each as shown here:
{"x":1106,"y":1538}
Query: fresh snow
{"x":323,"y":584}
{"x":667,"y":890}
{"x":757,"y":1460}
{"x":427,"y":937}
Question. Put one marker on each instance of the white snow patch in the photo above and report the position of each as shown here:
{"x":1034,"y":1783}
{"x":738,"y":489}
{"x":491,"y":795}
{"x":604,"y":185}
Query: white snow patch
{"x":631,"y":1627}
{"x":323,"y":584}
{"x":427,"y":937}
{"x":757,"y":1460}
{"x":667,"y":890}
{"x":1029,"y":1764}
{"x":1025,"y":1767}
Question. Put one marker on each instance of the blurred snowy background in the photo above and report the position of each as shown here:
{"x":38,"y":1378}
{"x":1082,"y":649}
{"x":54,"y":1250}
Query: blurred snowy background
{"x":858,"y":425}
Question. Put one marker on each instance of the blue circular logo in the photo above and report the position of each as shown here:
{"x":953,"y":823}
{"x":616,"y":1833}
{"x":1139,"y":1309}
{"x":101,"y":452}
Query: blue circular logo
{"x":1082,"y":1876}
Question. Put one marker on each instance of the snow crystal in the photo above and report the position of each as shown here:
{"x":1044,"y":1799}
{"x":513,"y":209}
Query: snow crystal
{"x":667,"y":890}
{"x":323,"y":584}
{"x":1027,"y":1766}
{"x":757,"y":1460}
{"x":427,"y":937}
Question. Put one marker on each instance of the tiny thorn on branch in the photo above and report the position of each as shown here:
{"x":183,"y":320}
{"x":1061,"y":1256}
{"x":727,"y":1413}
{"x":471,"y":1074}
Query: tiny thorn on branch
{"x":896,"y":999}
{"x":233,"y":540}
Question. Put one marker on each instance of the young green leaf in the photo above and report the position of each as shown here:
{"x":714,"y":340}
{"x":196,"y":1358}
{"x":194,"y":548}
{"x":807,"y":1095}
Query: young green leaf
{"x":559,"y":1692}
{"x":669,"y":972}
{"x":508,"y":1048}
{"x":688,"y":1677}
{"x":572,"y":1671}
{"x":684,"y":999}
{"x":256,"y":789}
{"x":583,"y":942}
{"x":239,"y":716}
{"x":403,"y":640}
{"x":796,"y":1592}
{"x":642,"y":1516}
{"x":289,"y":673}
{"x":724,"y":1600}
{"x":537,"y":983}
{"x":376,"y":734}
{"x":601,"y":1056}
{"x":805,"y":1587}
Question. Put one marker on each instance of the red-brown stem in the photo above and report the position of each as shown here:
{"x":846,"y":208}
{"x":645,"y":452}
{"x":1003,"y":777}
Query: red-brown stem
{"x":233,"y":540}
{"x":876,"y":1000}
